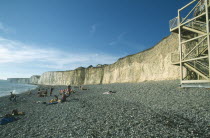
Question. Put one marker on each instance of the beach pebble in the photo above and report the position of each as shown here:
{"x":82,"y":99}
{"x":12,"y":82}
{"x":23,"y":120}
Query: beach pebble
{"x":148,"y":109}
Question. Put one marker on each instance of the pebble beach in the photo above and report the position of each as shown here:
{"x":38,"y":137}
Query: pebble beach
{"x":147,"y":109}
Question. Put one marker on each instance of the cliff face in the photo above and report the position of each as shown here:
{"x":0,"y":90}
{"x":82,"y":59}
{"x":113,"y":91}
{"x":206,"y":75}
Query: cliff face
{"x":75,"y":77}
{"x":34,"y":79}
{"x":19,"y":80}
{"x":94,"y":75}
{"x":152,"y":64}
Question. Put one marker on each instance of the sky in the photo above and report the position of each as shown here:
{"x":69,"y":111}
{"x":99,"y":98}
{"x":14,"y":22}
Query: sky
{"x":37,"y":36}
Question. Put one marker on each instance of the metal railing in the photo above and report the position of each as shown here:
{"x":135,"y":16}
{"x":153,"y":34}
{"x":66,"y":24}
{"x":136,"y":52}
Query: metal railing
{"x":198,"y":9}
{"x":201,"y":26}
{"x":173,"y":23}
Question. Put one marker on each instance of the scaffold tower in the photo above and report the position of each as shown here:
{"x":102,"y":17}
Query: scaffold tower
{"x":192,"y":26}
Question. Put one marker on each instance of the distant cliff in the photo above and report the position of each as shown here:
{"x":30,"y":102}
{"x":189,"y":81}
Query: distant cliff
{"x":18,"y":80}
{"x":151,"y":64}
{"x":32,"y":80}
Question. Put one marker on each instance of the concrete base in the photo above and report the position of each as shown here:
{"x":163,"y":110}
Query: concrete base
{"x":196,"y":85}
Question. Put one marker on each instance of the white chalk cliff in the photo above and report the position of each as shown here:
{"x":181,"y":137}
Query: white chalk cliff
{"x":152,"y":64}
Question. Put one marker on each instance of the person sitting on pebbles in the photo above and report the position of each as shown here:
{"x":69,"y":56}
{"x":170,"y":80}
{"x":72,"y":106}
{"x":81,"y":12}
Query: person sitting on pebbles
{"x":68,"y":93}
{"x":51,"y":90}
{"x":63,"y":99}
{"x":62,"y":91}
{"x":12,"y":97}
{"x":45,"y":93}
{"x":69,"y":88}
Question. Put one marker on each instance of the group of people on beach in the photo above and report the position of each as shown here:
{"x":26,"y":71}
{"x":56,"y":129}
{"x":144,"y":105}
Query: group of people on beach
{"x":44,"y":93}
{"x":65,"y":93}
{"x":41,"y":93}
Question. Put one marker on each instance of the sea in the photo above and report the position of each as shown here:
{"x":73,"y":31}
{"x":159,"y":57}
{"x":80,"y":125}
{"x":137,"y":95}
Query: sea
{"x":6,"y":87}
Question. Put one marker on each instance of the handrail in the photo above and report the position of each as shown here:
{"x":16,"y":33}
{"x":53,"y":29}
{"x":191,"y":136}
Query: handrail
{"x":193,"y":39}
{"x":190,"y":20}
{"x":195,"y":47}
{"x":191,"y":11}
{"x":173,"y":23}
{"x":201,"y":7}
{"x":187,"y":5}
{"x":203,"y":57}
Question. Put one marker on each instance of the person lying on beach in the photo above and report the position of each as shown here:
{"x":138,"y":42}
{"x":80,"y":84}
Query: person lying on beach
{"x":10,"y":117}
{"x":15,"y":112}
{"x":109,"y":92}
{"x":12,"y":97}
{"x":54,"y":100}
{"x":82,"y":88}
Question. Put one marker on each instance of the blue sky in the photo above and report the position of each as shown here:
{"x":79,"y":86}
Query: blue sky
{"x":50,"y":35}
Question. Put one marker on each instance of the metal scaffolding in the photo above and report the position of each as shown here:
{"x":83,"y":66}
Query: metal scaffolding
{"x":192,"y":26}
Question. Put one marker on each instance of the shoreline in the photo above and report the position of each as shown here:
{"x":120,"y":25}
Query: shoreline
{"x":17,"y":92}
{"x":148,"y":109}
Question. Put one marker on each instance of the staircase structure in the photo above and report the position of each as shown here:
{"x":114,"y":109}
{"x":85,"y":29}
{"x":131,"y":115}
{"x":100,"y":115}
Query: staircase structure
{"x":192,"y":26}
